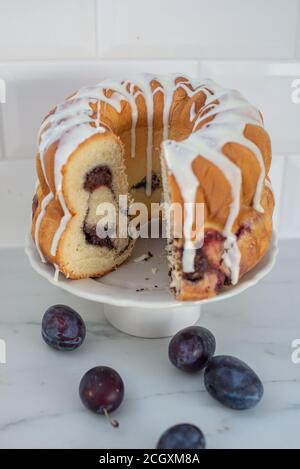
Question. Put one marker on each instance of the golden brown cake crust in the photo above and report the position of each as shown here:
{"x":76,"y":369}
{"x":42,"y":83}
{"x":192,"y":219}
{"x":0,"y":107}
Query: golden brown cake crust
{"x":254,"y":236}
{"x":252,"y":228}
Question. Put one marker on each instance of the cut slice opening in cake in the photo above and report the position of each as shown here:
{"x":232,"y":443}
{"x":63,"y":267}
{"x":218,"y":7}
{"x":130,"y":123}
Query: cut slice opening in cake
{"x":94,"y":179}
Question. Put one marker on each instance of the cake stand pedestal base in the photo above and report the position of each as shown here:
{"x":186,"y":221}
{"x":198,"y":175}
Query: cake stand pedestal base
{"x":151,"y":322}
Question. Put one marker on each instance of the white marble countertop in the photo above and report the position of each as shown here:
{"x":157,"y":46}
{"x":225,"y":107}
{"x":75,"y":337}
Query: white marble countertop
{"x":39,"y":403}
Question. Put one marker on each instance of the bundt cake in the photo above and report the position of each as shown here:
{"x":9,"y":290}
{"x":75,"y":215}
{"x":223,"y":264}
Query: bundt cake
{"x":150,"y":137}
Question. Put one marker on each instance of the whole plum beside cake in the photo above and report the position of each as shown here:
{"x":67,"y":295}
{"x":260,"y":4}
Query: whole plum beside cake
{"x":182,"y":436}
{"x":101,"y":390}
{"x":191,"y":348}
{"x":63,"y":328}
{"x":232,"y":382}
{"x":226,"y":378}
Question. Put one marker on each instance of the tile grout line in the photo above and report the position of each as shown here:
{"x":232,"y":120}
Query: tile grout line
{"x":206,"y":60}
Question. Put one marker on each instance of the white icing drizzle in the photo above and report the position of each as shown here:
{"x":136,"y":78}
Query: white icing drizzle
{"x":192,"y":111}
{"x":167,"y":88}
{"x":98,"y":113}
{"x":134,"y":115}
{"x":231,"y":114}
{"x":70,"y":124}
{"x":56,"y":273}
{"x":269,"y":186}
{"x":144,"y":83}
{"x":62,"y":225}
{"x":189,"y":183}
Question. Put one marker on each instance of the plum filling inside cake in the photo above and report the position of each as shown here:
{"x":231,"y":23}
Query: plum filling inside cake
{"x":208,"y":260}
{"x":97,"y":177}
{"x":155,"y":183}
{"x":210,"y":274}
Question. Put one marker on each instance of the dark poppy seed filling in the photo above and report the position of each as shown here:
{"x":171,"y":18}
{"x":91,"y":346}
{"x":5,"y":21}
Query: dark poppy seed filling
{"x":92,"y":238}
{"x":155,"y":183}
{"x":35,"y":204}
{"x":99,"y":176}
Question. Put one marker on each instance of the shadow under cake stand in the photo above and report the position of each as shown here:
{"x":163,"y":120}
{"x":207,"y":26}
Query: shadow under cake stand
{"x":136,"y":297}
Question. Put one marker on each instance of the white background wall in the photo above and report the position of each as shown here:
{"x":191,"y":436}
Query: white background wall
{"x":49,"y":48}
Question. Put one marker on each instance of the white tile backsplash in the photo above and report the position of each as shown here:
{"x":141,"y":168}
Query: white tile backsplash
{"x":49,"y":49}
{"x":17,"y":182}
{"x":197,"y":28}
{"x":69,"y":29}
{"x":290,"y":206}
{"x":59,"y":29}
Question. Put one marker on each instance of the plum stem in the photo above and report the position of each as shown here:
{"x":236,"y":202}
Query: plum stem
{"x":114,"y":423}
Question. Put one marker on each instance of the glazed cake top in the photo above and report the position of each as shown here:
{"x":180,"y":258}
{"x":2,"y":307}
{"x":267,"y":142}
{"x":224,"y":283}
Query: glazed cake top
{"x":222,"y":119}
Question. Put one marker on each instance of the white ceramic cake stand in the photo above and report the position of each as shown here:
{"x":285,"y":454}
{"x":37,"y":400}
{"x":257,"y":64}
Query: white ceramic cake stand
{"x":136,"y":297}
